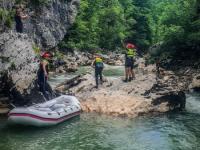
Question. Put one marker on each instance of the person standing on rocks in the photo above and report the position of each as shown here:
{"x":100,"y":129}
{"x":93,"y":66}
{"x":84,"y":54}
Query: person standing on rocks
{"x":98,"y":65}
{"x":43,"y":73}
{"x":129,"y":62}
{"x":18,"y":19}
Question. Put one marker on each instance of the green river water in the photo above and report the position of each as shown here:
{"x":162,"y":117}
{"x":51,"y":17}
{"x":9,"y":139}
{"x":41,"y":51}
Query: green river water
{"x":172,"y":131}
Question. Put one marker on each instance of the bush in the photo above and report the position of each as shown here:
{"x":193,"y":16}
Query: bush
{"x":6,"y":18}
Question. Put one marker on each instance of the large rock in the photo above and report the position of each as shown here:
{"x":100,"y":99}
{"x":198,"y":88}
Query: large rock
{"x":167,"y":90}
{"x":195,"y":82}
{"x":19,"y":61}
{"x":20,"y":65}
{"x":18,"y":58}
{"x":49,"y":23}
{"x":144,"y":95}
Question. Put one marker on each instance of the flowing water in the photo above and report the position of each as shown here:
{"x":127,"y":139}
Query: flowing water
{"x":109,"y":71}
{"x":173,"y":131}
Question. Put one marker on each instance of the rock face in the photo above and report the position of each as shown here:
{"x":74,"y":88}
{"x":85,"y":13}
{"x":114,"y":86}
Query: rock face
{"x":20,"y":65}
{"x":48,"y":23}
{"x":46,"y":26}
{"x":19,"y":61}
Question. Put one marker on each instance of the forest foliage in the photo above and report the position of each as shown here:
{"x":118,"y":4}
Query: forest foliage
{"x":164,"y":29}
{"x":171,"y":26}
{"x":105,"y":24}
{"x":175,"y":28}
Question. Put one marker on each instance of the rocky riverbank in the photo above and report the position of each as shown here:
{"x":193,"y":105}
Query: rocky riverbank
{"x":147,"y":94}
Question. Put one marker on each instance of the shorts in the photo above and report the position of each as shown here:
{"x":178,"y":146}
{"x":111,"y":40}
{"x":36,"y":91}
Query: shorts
{"x":19,"y":28}
{"x":129,"y":63}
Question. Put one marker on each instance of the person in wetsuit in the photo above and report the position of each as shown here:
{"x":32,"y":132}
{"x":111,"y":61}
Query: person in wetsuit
{"x":43,"y":73}
{"x":129,"y":62}
{"x":98,"y":65}
{"x":18,"y":19}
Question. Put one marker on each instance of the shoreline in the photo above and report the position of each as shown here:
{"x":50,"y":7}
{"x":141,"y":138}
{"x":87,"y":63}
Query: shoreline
{"x":116,"y":98}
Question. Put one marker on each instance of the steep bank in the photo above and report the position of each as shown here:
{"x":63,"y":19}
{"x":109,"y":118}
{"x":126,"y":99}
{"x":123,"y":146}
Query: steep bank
{"x":48,"y":22}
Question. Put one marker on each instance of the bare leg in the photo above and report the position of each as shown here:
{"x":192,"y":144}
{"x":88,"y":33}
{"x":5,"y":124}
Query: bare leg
{"x":126,"y":74}
{"x":129,"y":74}
{"x":132,"y":73}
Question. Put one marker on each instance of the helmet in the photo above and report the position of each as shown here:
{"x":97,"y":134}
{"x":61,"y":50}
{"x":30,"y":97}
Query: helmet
{"x":46,"y":55}
{"x":130,"y":46}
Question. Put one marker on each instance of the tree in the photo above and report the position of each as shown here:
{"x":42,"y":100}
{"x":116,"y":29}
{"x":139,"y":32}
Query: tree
{"x":104,"y":24}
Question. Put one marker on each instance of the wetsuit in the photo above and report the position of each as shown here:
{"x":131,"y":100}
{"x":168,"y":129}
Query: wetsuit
{"x":42,"y":79}
{"x":19,"y":24}
{"x":98,"y":69}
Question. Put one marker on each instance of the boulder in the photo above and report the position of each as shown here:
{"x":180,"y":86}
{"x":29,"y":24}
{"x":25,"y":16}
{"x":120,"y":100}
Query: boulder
{"x":195,"y":83}
{"x":71,"y":67}
{"x":20,"y":65}
{"x":21,"y":61}
{"x":166,"y":90}
{"x":175,"y":99}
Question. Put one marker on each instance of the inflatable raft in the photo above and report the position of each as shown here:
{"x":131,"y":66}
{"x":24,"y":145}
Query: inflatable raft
{"x":48,"y":113}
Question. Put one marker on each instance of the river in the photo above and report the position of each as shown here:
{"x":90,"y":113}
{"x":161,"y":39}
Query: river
{"x":172,"y":131}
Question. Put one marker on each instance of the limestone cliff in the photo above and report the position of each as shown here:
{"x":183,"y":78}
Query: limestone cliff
{"x":47,"y":23}
{"x":46,"y":26}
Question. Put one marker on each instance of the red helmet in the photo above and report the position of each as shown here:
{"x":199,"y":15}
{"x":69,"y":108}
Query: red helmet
{"x":46,"y":55}
{"x":130,"y":46}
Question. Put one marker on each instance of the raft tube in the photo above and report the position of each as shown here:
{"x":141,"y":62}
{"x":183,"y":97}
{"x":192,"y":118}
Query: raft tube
{"x":46,"y":114}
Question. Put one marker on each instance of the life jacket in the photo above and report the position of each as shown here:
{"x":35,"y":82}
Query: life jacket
{"x":130,"y":53}
{"x":98,"y":62}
